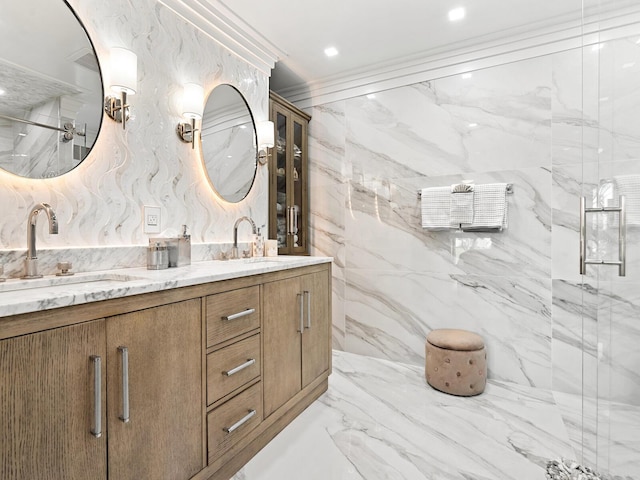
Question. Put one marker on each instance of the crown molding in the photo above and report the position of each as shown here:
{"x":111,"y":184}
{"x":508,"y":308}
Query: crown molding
{"x":466,"y":58}
{"x":215,"y":20}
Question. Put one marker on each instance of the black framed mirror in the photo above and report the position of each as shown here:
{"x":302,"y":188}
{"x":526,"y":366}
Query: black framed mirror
{"x":51,"y":89}
{"x":229,"y":141}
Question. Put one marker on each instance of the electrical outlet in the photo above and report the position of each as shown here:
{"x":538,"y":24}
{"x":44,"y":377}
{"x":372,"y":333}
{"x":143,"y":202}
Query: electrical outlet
{"x":151,"y":219}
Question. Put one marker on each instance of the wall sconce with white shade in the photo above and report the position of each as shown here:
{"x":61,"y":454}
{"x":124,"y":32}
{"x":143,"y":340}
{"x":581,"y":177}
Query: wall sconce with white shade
{"x":192,"y":109}
{"x":266,"y":136}
{"x":124,"y":80}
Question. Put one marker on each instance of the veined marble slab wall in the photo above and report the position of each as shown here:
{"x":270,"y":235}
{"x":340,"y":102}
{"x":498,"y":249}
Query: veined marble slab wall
{"x":99,"y":204}
{"x":520,"y":123}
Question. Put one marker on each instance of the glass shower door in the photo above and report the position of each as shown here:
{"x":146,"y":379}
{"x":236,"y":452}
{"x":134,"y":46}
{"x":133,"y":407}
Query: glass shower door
{"x":611,"y":172}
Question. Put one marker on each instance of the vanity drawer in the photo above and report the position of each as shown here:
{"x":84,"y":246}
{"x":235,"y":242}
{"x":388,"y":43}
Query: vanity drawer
{"x":233,"y":420}
{"x":233,"y":313}
{"x":231,"y":367}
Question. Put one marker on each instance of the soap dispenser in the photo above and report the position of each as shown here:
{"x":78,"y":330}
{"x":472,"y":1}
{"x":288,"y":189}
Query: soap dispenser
{"x":258,"y":244}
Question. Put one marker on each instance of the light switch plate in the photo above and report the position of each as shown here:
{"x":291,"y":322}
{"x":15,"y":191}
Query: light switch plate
{"x":151,"y":219}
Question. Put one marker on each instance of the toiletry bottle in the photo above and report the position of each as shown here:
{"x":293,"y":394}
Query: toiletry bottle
{"x":258,"y":244}
{"x":184,"y":248}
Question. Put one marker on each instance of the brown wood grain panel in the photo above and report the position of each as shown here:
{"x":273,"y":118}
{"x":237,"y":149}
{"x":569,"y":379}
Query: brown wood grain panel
{"x":163,"y":439}
{"x":229,"y":303}
{"x":219,"y":384}
{"x":47,"y":405}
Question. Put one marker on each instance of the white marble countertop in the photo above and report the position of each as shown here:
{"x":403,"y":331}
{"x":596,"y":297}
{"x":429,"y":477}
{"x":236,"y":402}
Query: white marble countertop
{"x":25,"y":296}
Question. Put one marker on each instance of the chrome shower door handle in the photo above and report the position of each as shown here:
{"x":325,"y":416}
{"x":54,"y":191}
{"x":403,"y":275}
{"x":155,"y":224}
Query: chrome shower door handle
{"x":621,"y":263}
{"x":622,"y":237}
{"x":96,"y":428}
{"x":125,"y":384}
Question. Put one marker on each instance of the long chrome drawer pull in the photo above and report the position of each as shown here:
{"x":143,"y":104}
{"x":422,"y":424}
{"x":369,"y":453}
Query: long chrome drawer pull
{"x":240,"y":422}
{"x":125,"y":384}
{"x":244,"y":313}
{"x":301,"y":299}
{"x":289,"y":222}
{"x":246,"y":364}
{"x":622,"y":236}
{"x":308,"y":295}
{"x":96,"y":428}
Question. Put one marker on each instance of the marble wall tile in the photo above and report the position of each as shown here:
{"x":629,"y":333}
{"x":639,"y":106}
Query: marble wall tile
{"x":499,"y":119}
{"x":390,"y":313}
{"x":99,"y":204}
{"x":383,"y":226}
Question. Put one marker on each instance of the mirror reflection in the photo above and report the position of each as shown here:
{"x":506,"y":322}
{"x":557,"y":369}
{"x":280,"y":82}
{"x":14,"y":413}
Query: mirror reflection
{"x":229,"y":143}
{"x":50,"y":89}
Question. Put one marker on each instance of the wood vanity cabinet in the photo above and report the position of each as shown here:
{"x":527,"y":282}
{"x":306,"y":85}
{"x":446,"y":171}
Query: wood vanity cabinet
{"x":297,"y":336}
{"x":289,"y":178}
{"x":210,"y":374}
{"x":47,"y":398}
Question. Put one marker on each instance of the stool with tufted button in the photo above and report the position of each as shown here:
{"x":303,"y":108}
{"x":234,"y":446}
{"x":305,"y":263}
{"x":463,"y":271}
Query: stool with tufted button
{"x":456,"y":362}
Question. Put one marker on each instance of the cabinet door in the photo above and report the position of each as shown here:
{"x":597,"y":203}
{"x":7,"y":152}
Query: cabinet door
{"x":288,"y":187}
{"x":281,"y":349}
{"x":316,"y":347}
{"x":163,"y":437}
{"x":47,"y":405}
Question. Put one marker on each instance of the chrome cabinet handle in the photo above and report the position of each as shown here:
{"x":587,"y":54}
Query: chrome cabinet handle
{"x":246,"y":364}
{"x":96,"y":428}
{"x":244,"y":313}
{"x":125,"y":384}
{"x":294,"y":228}
{"x":240,"y":422}
{"x":307,"y":293}
{"x":622,"y":236}
{"x":301,"y":300}
{"x":289,"y":227}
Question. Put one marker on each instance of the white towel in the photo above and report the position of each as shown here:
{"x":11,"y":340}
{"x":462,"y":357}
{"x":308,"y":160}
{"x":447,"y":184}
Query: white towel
{"x":461,"y":211}
{"x":436,"y":205}
{"x":629,"y":186}
{"x":490,"y":209}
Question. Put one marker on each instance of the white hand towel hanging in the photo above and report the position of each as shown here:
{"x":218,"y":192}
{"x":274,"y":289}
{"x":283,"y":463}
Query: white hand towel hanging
{"x":490,"y":208}
{"x":629,"y":186}
{"x":436,"y":205}
{"x":461,"y":210}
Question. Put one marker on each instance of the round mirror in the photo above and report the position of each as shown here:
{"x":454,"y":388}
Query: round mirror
{"x":229,"y":143}
{"x":50,"y":89}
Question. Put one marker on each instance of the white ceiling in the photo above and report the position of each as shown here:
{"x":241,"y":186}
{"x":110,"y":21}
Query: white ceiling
{"x":374,"y":33}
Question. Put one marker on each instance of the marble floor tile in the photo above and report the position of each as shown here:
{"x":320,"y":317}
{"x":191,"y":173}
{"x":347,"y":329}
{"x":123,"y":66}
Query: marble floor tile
{"x":380,"y":420}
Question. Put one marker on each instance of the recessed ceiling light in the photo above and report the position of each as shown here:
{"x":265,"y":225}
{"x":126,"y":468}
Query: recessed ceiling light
{"x":2,"y":92}
{"x":371,"y":96}
{"x":473,"y":125}
{"x":467,"y":75}
{"x":243,"y":126}
{"x":597,"y":46}
{"x":331,"y":51}
{"x":456,"y":14}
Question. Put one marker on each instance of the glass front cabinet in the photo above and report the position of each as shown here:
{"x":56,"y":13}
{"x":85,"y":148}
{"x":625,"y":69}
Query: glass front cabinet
{"x":288,"y":178}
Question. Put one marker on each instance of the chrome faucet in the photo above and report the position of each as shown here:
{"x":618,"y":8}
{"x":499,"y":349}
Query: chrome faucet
{"x":234,"y":250}
{"x":31,"y":262}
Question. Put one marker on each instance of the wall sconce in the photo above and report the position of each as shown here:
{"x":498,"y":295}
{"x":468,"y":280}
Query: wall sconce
{"x":124,"y":80}
{"x":192,"y":109}
{"x":265,"y":133}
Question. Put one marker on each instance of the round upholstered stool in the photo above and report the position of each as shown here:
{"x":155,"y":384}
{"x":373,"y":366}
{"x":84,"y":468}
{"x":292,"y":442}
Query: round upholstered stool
{"x":456,"y":362}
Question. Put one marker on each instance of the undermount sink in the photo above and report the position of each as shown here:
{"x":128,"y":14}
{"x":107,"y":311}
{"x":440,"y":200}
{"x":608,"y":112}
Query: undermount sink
{"x":258,"y":260}
{"x":55,"y":281}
